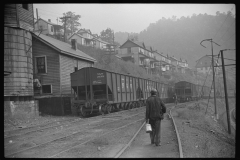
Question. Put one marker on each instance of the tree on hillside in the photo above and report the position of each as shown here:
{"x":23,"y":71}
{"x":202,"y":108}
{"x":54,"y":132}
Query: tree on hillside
{"x":133,"y":37}
{"x":107,"y":35}
{"x":71,"y":23}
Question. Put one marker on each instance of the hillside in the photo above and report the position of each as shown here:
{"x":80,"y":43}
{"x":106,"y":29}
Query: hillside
{"x":182,"y":37}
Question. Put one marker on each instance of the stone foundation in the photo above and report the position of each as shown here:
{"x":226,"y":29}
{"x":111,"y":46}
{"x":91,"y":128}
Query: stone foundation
{"x":21,"y":109}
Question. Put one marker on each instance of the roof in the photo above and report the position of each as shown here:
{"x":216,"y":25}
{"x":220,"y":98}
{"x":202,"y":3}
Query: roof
{"x":84,"y":30}
{"x":125,"y":55}
{"x":173,"y":58}
{"x":63,"y":47}
{"x":76,"y":34}
{"x":100,"y":40}
{"x":208,"y":58}
{"x":47,"y":22}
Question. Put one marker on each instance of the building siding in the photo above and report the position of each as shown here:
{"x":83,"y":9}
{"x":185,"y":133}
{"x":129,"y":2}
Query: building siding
{"x":67,"y":66}
{"x":18,"y":61}
{"x":53,"y":68}
{"x":44,"y":26}
{"x":25,"y":17}
{"x":10,"y":15}
{"x":79,"y":39}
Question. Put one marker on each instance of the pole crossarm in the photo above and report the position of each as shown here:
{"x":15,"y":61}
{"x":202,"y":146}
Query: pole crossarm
{"x":212,"y":71}
{"x":208,"y":40}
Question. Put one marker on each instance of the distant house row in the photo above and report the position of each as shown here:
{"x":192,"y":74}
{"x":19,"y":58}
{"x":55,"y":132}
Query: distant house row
{"x":82,"y":36}
{"x":150,"y":59}
{"x":158,"y":63}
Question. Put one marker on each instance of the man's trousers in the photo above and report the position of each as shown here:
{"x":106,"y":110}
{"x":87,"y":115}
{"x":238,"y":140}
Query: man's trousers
{"x":155,"y":135}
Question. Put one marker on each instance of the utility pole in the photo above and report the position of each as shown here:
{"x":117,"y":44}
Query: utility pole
{"x":225,"y":90}
{"x":214,"y":92}
{"x":37,"y":19}
{"x":65,"y":19}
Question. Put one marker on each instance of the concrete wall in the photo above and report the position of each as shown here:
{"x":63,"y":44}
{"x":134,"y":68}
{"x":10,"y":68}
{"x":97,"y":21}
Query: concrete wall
{"x":21,"y":109}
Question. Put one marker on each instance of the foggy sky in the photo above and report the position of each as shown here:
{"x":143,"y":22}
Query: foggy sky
{"x":125,"y":17}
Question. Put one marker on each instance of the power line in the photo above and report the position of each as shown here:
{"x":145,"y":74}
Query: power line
{"x":227,"y":30}
{"x":50,"y":12}
{"x":222,"y":24}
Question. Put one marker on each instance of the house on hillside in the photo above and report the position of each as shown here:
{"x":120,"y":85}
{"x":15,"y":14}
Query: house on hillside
{"x":182,"y":65}
{"x":139,"y":54}
{"x":163,"y":61}
{"x":86,"y":38}
{"x":47,"y":27}
{"x":204,"y":64}
{"x":174,"y":63}
{"x":53,"y":61}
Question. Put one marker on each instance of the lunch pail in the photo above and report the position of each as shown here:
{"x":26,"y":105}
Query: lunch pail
{"x":148,"y":128}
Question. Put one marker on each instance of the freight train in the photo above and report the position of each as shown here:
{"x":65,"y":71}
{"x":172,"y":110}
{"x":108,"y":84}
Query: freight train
{"x":187,"y":91}
{"x":101,"y":91}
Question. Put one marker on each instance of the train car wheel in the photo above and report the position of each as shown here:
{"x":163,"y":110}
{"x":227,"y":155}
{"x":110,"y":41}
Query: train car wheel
{"x":130,"y":106}
{"x":101,"y":109}
{"x":84,"y":111}
{"x":133,"y":105}
{"x":109,"y":108}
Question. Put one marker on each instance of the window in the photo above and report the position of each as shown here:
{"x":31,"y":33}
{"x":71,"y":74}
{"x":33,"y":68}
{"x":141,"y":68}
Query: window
{"x":41,"y":64}
{"x":129,"y":50}
{"x":47,"y":88}
{"x":25,"y":6}
{"x":51,"y":28}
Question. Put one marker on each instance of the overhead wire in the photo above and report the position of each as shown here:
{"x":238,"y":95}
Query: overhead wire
{"x":226,"y":31}
{"x":222,"y":23}
{"x":50,"y":12}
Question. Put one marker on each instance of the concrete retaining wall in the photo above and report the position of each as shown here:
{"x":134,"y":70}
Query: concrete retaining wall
{"x":21,"y":109}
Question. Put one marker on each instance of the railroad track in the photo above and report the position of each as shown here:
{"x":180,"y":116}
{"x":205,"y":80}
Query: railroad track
{"x":122,"y":151}
{"x":71,"y":137}
{"x":11,"y":136}
{"x":66,"y":145}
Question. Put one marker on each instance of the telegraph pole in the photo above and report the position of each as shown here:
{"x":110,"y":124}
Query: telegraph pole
{"x":37,"y":19}
{"x":214,"y":92}
{"x":65,"y":19}
{"x":226,"y":94}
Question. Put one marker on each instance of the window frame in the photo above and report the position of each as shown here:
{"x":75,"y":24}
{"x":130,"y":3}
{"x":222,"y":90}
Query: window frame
{"x":36,"y":69}
{"x":25,"y":6}
{"x":51,"y":89}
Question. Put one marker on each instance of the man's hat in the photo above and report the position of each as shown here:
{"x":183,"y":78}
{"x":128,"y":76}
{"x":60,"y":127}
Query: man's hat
{"x":153,"y":91}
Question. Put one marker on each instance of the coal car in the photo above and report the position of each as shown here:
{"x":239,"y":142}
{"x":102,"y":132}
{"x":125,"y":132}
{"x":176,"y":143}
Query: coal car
{"x":101,"y":91}
{"x":187,"y":91}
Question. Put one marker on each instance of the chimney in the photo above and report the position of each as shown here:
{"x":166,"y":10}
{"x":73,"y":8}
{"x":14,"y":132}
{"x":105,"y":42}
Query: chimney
{"x":74,"y":44}
{"x":49,"y":20}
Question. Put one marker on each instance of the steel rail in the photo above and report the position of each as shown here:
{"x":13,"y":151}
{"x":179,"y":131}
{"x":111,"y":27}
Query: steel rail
{"x":34,"y":126}
{"x":129,"y":143}
{"x":69,"y":135}
{"x":178,"y":137}
{"x":75,"y":120}
{"x":96,"y":137}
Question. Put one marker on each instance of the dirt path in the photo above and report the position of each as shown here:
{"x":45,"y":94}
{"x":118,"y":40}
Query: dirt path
{"x":142,"y":147}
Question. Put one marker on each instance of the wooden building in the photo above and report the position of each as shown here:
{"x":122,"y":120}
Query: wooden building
{"x":204,"y":65}
{"x":53,"y":61}
{"x":48,"y":27}
{"x":18,"y":86}
{"x":18,"y":20}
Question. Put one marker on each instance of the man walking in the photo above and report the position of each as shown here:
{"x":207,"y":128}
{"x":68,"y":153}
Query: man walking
{"x":175,"y":97}
{"x":154,"y":114}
